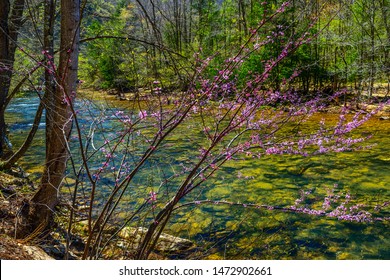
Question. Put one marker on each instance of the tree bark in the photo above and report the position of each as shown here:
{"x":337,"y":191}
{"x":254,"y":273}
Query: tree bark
{"x":10,"y":24}
{"x":47,"y":197}
{"x":4,"y":68}
{"x":15,"y":23}
{"x":50,"y":86}
{"x":385,"y":14}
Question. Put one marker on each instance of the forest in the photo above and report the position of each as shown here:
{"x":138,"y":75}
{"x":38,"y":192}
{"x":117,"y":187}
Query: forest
{"x":195,"y":129}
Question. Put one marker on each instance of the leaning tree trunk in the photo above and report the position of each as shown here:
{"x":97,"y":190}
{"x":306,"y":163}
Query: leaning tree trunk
{"x":47,"y":197}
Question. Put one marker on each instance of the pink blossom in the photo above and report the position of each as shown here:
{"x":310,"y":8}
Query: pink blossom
{"x":152,"y":196}
{"x":142,"y":114}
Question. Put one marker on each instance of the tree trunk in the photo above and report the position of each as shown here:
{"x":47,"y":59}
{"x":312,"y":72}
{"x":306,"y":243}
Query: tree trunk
{"x":15,"y":23}
{"x":50,"y":86}
{"x":10,"y":24}
{"x":385,"y":8}
{"x":373,"y":48}
{"x":47,"y":197}
{"x":4,"y":68}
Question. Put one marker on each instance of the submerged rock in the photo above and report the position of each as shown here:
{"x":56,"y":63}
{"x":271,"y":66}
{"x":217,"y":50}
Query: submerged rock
{"x":166,"y":243}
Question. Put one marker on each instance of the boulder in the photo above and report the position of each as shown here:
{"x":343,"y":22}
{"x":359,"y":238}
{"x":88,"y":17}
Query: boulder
{"x":12,"y":249}
{"x":36,"y":253}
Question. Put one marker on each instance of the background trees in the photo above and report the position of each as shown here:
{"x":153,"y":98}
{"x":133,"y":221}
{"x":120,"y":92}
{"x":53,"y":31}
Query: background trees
{"x":128,"y":44}
{"x":168,"y":32}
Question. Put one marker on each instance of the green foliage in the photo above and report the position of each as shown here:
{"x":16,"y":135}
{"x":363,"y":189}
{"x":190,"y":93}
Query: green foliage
{"x":156,"y":40}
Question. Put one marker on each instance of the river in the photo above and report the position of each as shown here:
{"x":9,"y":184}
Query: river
{"x":235,"y":232}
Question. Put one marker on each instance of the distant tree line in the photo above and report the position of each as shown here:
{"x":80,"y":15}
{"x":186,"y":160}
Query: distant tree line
{"x":134,"y":42}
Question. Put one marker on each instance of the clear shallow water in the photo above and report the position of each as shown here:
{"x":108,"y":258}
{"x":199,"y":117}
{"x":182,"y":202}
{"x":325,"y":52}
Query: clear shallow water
{"x":239,"y":232}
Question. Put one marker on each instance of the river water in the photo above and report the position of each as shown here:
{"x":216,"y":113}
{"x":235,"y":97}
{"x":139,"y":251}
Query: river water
{"x":236,"y":232}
